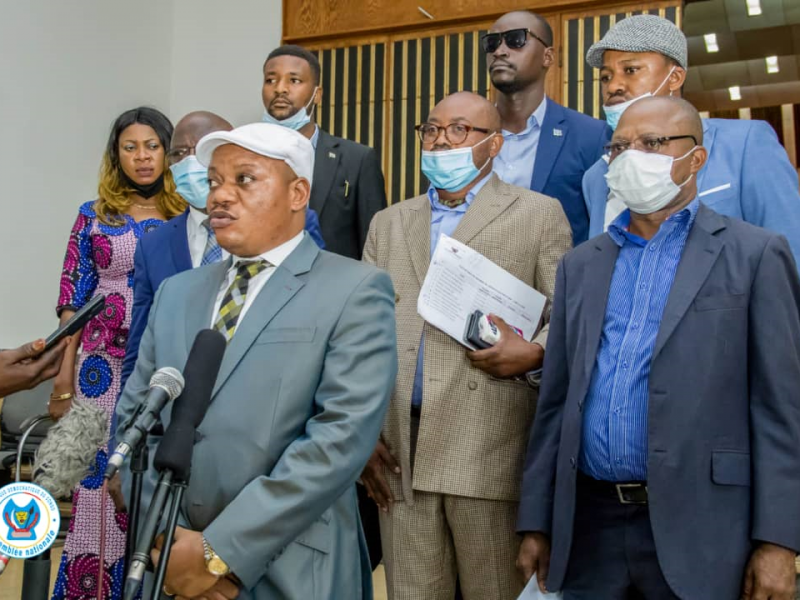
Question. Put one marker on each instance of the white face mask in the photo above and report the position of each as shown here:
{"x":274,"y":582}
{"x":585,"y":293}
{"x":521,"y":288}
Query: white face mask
{"x":642,"y":181}
{"x":614,"y":112}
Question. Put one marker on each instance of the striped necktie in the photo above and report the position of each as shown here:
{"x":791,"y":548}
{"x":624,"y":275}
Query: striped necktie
{"x":212,"y":252}
{"x":231,"y":306}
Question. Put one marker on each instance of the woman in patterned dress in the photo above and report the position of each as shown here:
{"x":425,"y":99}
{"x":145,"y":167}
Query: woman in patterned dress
{"x":136,"y":194}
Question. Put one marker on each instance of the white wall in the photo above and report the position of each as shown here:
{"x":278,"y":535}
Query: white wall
{"x":217,"y":56}
{"x":67,"y":70}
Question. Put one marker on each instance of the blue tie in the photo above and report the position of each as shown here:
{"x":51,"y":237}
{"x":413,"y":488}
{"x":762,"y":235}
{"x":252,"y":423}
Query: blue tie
{"x":212,"y":253}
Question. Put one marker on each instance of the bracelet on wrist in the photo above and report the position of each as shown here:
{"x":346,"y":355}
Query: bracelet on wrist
{"x":59,"y":397}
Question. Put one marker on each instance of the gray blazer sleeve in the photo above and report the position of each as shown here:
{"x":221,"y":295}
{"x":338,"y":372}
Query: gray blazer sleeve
{"x":774,"y":373}
{"x":351,"y":400}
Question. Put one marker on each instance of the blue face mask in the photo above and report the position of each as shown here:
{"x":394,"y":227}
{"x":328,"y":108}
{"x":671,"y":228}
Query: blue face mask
{"x":297,"y":121}
{"x":191,"y":181}
{"x":452,"y":170}
{"x":614,"y":112}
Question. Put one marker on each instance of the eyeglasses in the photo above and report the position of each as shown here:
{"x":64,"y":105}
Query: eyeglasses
{"x":455,"y":132}
{"x":176,"y":155}
{"x":514,"y":39}
{"x":645,"y":143}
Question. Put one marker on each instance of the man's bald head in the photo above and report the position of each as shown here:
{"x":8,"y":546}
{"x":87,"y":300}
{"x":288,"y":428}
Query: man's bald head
{"x":471,"y":108}
{"x":191,"y":128}
{"x":675,"y":112}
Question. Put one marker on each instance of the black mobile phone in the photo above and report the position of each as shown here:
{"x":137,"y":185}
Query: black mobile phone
{"x":77,"y":322}
{"x":472,"y":331}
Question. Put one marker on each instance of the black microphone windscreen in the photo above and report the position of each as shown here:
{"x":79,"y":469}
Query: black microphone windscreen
{"x":202,"y":367}
{"x":200,"y":374}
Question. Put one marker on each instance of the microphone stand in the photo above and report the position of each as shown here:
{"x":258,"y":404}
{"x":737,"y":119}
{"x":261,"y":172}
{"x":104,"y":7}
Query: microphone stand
{"x":139,"y":463}
{"x":177,"y":490}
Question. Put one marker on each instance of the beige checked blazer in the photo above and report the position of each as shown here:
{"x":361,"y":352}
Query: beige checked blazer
{"x":474,"y":428}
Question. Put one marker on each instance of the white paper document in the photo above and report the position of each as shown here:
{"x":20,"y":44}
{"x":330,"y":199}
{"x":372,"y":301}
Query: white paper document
{"x":461,"y":281}
{"x":531,"y":592}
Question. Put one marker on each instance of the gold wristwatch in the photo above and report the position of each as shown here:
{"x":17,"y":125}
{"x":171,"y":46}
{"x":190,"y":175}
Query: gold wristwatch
{"x":214,"y":564}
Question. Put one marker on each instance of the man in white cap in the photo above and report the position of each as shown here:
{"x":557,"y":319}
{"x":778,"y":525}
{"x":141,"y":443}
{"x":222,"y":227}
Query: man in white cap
{"x":748,"y":174}
{"x":301,"y":395}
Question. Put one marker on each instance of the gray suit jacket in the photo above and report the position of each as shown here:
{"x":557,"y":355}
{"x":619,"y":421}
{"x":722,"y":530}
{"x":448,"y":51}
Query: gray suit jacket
{"x":296,"y":411}
{"x":723,"y":420}
{"x":348,"y":190}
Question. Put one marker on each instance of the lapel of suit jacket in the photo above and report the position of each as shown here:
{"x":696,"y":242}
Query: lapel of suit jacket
{"x":553,"y":132}
{"x":179,"y":243}
{"x":699,"y":255}
{"x":326,"y":161}
{"x":281,"y":287}
{"x":203,"y":294}
{"x":491,"y":201}
{"x":415,"y":215}
{"x":709,"y":133}
{"x":595,"y":285}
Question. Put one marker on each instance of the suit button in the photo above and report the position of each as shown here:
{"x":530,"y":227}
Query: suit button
{"x":472,"y":385}
{"x":572,"y":462}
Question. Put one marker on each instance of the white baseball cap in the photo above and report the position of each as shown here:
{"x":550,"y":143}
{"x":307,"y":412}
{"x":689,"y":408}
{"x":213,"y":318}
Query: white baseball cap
{"x":272,"y":141}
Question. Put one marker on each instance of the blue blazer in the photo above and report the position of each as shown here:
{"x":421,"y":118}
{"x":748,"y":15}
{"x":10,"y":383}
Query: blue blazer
{"x":748,"y":176}
{"x":163,"y":253}
{"x":723,"y":470}
{"x":569,"y":144}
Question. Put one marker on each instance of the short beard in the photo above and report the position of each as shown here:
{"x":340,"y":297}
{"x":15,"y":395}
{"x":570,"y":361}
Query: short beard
{"x":509,"y":87}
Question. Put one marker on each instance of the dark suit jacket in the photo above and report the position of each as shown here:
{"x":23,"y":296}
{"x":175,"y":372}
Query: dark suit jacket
{"x":723,"y":422}
{"x":163,"y":253}
{"x":348,"y":190}
{"x":569,"y":143}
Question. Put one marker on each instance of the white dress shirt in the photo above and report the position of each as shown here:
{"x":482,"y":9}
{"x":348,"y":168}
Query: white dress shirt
{"x":275,"y":257}
{"x":198,"y":236}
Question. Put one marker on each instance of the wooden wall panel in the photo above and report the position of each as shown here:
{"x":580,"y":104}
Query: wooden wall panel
{"x":306,"y":21}
{"x":376,"y":86}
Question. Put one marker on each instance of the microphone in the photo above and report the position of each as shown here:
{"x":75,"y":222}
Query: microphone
{"x":174,"y":455}
{"x":165,"y":385}
{"x":67,"y":452}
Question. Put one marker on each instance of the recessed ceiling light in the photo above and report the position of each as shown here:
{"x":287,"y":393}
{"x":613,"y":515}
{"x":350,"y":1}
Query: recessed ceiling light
{"x":753,"y":8}
{"x":711,"y":42}
{"x":772,"y":64}
{"x":735,"y":92}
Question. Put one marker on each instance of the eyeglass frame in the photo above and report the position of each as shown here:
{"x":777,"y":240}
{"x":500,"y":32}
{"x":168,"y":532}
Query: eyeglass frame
{"x":440,"y":128}
{"x":503,"y":40}
{"x":660,"y":139}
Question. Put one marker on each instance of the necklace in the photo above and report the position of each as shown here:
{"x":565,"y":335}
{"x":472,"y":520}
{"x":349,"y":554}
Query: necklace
{"x":143,"y":207}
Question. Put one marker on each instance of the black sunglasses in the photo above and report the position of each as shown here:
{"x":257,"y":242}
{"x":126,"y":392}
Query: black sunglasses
{"x":514,"y":39}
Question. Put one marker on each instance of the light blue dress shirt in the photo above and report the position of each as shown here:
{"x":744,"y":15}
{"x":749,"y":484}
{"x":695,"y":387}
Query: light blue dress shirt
{"x":614,"y":435}
{"x":443,"y":220}
{"x":315,"y":138}
{"x":515,"y":162}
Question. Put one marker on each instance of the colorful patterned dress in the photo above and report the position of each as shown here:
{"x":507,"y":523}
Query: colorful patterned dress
{"x":99,"y":260}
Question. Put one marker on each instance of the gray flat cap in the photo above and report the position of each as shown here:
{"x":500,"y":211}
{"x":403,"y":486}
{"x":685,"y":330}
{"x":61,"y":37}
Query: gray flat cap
{"x":641,"y":33}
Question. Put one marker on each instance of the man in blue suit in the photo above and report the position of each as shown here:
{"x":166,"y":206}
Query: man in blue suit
{"x":186,"y":241}
{"x":663,"y":462}
{"x":548,"y":147}
{"x":748,"y":174}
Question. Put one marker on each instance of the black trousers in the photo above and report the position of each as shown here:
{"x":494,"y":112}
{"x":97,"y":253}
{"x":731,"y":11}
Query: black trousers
{"x":613,"y":554}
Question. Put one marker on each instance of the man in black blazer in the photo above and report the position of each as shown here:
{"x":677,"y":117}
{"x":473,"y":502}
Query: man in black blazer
{"x":348,"y":182}
{"x":663,"y":461}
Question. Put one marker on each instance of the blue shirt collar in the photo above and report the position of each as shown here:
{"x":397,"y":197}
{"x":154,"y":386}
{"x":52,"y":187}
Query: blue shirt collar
{"x":437,"y":206}
{"x":535,"y":120}
{"x":618,"y":230}
{"x":315,"y":137}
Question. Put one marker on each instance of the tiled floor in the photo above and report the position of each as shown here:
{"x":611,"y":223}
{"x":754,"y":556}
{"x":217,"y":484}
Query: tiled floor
{"x":11,"y":580}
